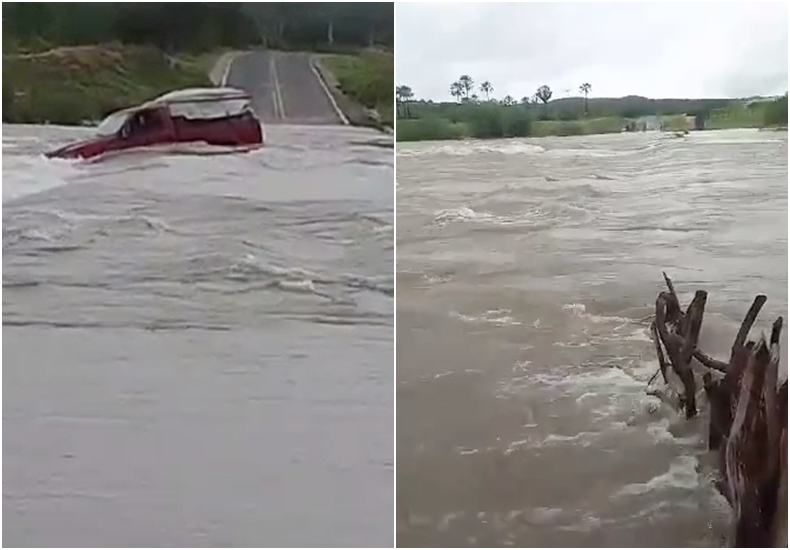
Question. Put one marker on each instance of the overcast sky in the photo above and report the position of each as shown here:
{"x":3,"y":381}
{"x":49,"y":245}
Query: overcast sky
{"x":651,"y":49}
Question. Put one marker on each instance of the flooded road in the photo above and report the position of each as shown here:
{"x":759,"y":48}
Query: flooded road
{"x":198,"y":349}
{"x":527,"y":271}
{"x":284,"y":86}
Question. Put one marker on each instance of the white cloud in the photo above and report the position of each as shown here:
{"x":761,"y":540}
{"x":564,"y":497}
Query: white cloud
{"x":651,"y":49}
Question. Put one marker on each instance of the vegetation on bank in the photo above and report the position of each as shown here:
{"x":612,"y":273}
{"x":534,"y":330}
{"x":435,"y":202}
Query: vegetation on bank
{"x":476,"y":113}
{"x":368,"y":79}
{"x":67,"y":63}
{"x":198,"y":26}
{"x":775,"y":114}
{"x":74,"y":85}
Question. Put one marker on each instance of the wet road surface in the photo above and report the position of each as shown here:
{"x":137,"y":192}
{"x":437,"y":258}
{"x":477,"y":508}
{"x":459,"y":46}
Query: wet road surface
{"x":285,"y":87}
{"x":527,"y":271}
{"x":198,"y":350}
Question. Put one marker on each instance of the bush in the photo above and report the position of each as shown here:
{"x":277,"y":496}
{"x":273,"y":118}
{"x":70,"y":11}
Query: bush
{"x":776,"y":112}
{"x":486,"y":121}
{"x":517,"y":122}
{"x":427,"y":129}
{"x":568,"y":115}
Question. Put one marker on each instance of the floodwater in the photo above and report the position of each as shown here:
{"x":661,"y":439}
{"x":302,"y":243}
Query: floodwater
{"x":527,"y":271}
{"x":198,"y":349}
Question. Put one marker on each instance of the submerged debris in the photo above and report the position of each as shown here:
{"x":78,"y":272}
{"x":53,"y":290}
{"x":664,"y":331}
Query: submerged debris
{"x":748,"y":412}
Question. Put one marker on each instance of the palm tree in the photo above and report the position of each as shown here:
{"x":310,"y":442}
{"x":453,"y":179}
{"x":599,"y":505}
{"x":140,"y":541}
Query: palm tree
{"x":403,"y":94}
{"x":467,"y":84}
{"x":487,"y":88}
{"x":457,"y":90}
{"x":585,"y":89}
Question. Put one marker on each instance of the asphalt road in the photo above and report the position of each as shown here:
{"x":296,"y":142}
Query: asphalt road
{"x":284,"y":86}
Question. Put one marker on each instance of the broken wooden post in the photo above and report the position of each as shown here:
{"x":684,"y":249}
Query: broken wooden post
{"x":678,"y":332}
{"x":748,"y":413}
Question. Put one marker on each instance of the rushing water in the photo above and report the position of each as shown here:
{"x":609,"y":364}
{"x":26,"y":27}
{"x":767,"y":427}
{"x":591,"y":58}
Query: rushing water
{"x":198,"y":349}
{"x":527,"y":271}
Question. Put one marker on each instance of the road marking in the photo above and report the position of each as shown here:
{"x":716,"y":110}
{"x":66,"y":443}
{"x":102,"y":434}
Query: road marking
{"x":277,"y":98}
{"x":223,"y":82}
{"x":320,"y":78}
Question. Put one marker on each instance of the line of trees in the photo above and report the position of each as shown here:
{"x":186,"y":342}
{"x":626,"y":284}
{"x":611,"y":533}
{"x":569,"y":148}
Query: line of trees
{"x":199,"y":26}
{"x":465,"y":91}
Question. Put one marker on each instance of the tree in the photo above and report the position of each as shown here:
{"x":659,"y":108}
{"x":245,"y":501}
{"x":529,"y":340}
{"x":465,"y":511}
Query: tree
{"x":508,"y":100}
{"x":467,"y":84}
{"x":487,"y":88}
{"x":585,"y":89}
{"x":457,"y":90}
{"x":544,"y":94}
{"x":524,"y":100}
{"x":776,"y":112}
{"x":403,"y":95}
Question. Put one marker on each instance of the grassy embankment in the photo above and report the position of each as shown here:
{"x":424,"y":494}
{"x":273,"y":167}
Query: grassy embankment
{"x":496,"y":121}
{"x":364,"y":79}
{"x":75,"y":85}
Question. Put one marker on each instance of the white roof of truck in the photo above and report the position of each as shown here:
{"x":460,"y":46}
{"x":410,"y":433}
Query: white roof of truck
{"x":203,"y":103}
{"x":192,"y":95}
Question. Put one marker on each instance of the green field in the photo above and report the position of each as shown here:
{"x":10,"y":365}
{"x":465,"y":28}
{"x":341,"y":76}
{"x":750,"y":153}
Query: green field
{"x":74,"y":85}
{"x":368,"y":79}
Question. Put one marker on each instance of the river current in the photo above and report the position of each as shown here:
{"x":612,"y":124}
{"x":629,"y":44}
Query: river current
{"x":198,"y":349}
{"x":527,"y":271}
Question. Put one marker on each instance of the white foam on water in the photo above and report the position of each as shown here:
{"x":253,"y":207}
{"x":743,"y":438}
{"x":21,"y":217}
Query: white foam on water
{"x":30,"y":174}
{"x":468,"y":451}
{"x":463,"y":213}
{"x":497,"y":317}
{"x":583,"y":439}
{"x":472,"y":147}
{"x":521,"y":366}
{"x":575,"y":308}
{"x":448,"y":518}
{"x":580,"y":310}
{"x":303,"y":285}
{"x":682,"y":474}
{"x":543,"y":515}
{"x":531,"y":217}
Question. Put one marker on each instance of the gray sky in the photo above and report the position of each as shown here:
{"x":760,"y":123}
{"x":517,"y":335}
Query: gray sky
{"x":650,"y":49}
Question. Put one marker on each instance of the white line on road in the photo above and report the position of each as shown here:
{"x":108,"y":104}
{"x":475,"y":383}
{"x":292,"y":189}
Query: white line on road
{"x":327,"y":92}
{"x":224,"y":80}
{"x":277,"y":97}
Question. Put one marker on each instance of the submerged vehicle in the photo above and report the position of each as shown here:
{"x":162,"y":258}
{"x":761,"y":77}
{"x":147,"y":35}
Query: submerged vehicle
{"x":219,"y":117}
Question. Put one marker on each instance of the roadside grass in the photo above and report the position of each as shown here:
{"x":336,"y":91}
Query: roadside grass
{"x":737,"y":116}
{"x":367,"y":78}
{"x":75,"y":85}
{"x":430,"y":129}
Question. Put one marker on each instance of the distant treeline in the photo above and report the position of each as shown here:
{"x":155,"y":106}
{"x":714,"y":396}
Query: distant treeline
{"x":473,"y":116}
{"x":199,"y":26}
{"x":572,"y":108}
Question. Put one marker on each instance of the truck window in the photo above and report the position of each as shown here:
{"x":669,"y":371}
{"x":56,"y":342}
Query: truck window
{"x":142,"y":122}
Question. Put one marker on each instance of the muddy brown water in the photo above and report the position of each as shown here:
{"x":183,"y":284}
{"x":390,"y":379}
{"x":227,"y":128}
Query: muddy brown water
{"x":198,"y":350}
{"x":526,"y":273}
